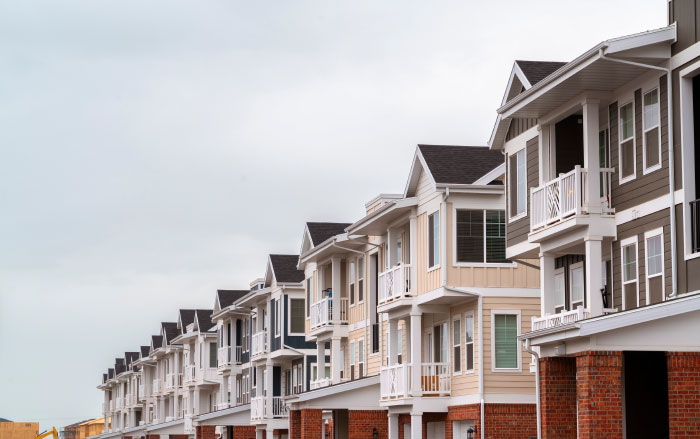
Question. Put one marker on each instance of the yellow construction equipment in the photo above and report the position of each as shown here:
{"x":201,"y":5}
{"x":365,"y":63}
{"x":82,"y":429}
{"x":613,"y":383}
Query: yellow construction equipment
{"x":51,"y":432}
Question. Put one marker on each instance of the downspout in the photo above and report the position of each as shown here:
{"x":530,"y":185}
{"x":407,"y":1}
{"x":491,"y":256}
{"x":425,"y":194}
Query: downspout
{"x":443,"y":236}
{"x":671,"y":161}
{"x":537,"y":386}
{"x":481,"y":360}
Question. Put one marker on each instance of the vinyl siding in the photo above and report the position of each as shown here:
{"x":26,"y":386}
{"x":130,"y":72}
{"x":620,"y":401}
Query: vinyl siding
{"x":468,"y":382}
{"x":426,"y":280}
{"x":519,"y":126}
{"x":517,"y":231}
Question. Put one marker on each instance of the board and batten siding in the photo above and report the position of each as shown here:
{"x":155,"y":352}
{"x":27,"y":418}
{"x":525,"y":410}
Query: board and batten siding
{"x":517,"y":231}
{"x":426,"y":280}
{"x":644,"y":187}
{"x":519,"y":126}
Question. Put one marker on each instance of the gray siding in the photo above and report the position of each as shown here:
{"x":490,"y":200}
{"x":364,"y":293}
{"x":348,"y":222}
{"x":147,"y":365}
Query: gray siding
{"x":644,"y":187}
{"x":685,"y":14}
{"x":519,"y":126}
{"x":686,"y":283}
{"x":517,"y":231}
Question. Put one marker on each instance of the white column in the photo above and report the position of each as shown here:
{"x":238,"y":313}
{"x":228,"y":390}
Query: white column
{"x":323,"y":428}
{"x":407,"y":331}
{"x":268,"y":386}
{"x":269,"y":433}
{"x":259,"y":434}
{"x":393,"y":342}
{"x":268,"y":325}
{"x":416,"y":326}
{"x":335,"y":288}
{"x":393,"y":426}
{"x":195,"y":407}
{"x":416,"y":425}
{"x":594,"y":275}
{"x":320,"y":359}
{"x":335,"y":359}
{"x":591,"y":161}
{"x":547,"y":284}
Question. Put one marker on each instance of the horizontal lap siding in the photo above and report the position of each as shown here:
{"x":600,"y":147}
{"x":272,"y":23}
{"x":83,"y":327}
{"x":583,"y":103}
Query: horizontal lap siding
{"x":516,"y":232}
{"x":427,"y":280}
{"x":466,"y":383}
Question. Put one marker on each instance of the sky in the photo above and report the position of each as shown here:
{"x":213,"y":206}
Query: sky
{"x":153,"y":152}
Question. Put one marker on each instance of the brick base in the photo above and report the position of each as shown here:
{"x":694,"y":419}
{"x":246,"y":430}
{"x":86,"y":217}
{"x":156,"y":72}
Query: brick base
{"x":362,"y":423}
{"x":244,"y":432}
{"x":294,"y":424}
{"x":311,"y":420}
{"x":178,"y":436}
{"x":205,"y":432}
{"x":599,"y":394}
{"x":558,"y":397}
{"x":683,"y":394}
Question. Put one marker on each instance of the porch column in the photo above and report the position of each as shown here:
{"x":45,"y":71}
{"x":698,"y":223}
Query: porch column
{"x":547,"y":283}
{"x":407,"y":330}
{"x":336,"y":367}
{"x":393,"y":332}
{"x":416,"y":425}
{"x":393,"y":426}
{"x":195,"y":406}
{"x":594,"y":275}
{"x":591,"y":161}
{"x":320,"y":359}
{"x":259,"y":433}
{"x":335,"y":288}
{"x":269,"y":433}
{"x":416,"y":326}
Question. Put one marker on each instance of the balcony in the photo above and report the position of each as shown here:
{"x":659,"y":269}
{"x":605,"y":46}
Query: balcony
{"x":222,"y":405}
{"x":223,"y":357}
{"x":157,"y":385}
{"x":173,"y":380}
{"x":560,"y":319}
{"x":260,"y":410}
{"x":259,"y":343}
{"x":395,"y":381}
{"x":257,"y":407}
{"x":279,"y":407}
{"x":566,"y":196}
{"x":118,"y":403}
{"x":322,"y":312}
{"x":189,"y":425}
{"x":395,"y":283}
{"x":190,"y":373}
{"x":323,"y":382}
{"x":243,"y":399}
{"x":142,"y":391}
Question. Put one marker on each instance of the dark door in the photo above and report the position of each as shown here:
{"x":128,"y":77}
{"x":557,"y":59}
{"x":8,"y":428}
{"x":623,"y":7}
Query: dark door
{"x":696,"y":130}
{"x":568,"y":135}
{"x":646,"y":395}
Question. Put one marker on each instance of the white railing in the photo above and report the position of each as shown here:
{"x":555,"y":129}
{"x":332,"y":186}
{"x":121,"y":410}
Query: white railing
{"x":142,"y":391}
{"x":239,"y":354}
{"x":257,"y":407}
{"x":322,"y":312}
{"x":323,"y":382}
{"x":157,"y":385}
{"x":243,"y":399}
{"x":170,"y":381}
{"x":560,"y":319}
{"x":394,"y":283}
{"x":435,"y":379}
{"x":190,"y":373}
{"x":208,"y":374}
{"x":223,"y":356}
{"x":394,"y":381}
{"x":111,"y":405}
{"x":118,"y":403}
{"x":106,"y":408}
{"x":279,"y":407}
{"x":189,"y":425}
{"x":221,"y":406}
{"x":566,"y":195}
{"x":259,"y":344}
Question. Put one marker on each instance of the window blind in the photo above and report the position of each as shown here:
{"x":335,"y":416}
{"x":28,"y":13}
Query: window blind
{"x":506,"y":341}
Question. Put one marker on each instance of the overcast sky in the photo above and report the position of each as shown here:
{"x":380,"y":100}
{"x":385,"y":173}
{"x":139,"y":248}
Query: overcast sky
{"x":154,"y":151}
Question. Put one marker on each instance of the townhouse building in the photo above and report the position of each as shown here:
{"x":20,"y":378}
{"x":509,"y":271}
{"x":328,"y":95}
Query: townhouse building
{"x":601,"y":187}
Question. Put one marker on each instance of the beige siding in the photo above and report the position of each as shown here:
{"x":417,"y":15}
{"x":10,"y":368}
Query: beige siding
{"x":468,"y":382}
{"x":427,"y":280}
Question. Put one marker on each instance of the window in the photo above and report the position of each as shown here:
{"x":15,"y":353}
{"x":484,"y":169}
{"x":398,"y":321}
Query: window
{"x":288,"y":382}
{"x":399,"y":346}
{"x":309,"y":294}
{"x":469,"y":340}
{"x":629,"y":273}
{"x":440,"y":343}
{"x":518,"y":183}
{"x":652,"y":132}
{"x":655,"y":266}
{"x":351,"y":271}
{"x":434,"y":239}
{"x":576,"y":279}
{"x":505,"y":341}
{"x":361,"y":357}
{"x":481,"y":236}
{"x":457,"y":346}
{"x":559,"y":290}
{"x":360,"y":278}
{"x":212,"y":354}
{"x":296,"y":318}
{"x":278,"y":317}
{"x":352,"y":360}
{"x":627,"y":153}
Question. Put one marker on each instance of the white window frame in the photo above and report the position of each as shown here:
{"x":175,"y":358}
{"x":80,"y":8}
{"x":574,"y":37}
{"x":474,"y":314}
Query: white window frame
{"x":620,"y":141}
{"x":352,"y":282}
{"x":519,"y":349}
{"x":358,"y":278}
{"x":645,"y":129}
{"x":647,"y":235}
{"x":573,"y":267}
{"x":289,"y":317}
{"x":623,"y":243}
{"x":689,"y":172}
{"x":428,"y":240}
{"x":457,"y":319}
{"x":522,"y":214}
{"x":353,"y":355}
{"x":361,"y":355}
{"x":278,"y":316}
{"x":560,"y":272}
{"x":473,"y":342}
{"x":456,"y":263}
{"x":309,"y":285}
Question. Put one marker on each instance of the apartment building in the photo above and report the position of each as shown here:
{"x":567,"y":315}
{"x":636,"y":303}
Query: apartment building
{"x":601,"y":187}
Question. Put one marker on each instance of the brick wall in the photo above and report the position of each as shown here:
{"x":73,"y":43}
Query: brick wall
{"x":177,"y":436}
{"x":469,"y":412}
{"x":361,"y":424}
{"x":683,"y":394}
{"x":404,"y":419}
{"x":599,"y":390}
{"x":243,"y":432}
{"x":205,"y":432}
{"x":311,"y":423}
{"x":152,"y":436}
{"x":294,"y":424}
{"x":510,"y":421}
{"x":558,"y":397}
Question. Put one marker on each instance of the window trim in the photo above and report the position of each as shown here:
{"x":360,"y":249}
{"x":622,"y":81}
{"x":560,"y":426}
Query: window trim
{"x":308,"y":295}
{"x":352,"y":282}
{"x":523,"y":214}
{"x":557,"y":272}
{"x":457,"y":318}
{"x":483,"y":264}
{"x":428,"y":231}
{"x":652,"y":234}
{"x":278,"y":316}
{"x":623,"y":243}
{"x":621,"y":179}
{"x":649,"y":169}
{"x":465,"y":370}
{"x":358,"y":278}
{"x":289,"y":318}
{"x":573,"y":267}
{"x":494,"y":313}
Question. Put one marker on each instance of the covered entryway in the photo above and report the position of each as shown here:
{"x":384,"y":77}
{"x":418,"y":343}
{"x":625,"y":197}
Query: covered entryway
{"x":645,"y":395}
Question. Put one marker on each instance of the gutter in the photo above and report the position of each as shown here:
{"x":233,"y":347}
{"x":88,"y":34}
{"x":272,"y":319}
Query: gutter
{"x":481,"y":358}
{"x":671,"y":161}
{"x":537,"y":386}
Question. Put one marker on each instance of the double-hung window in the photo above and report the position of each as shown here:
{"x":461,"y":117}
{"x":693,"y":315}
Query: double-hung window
{"x":352,"y":360}
{"x":627,"y":148}
{"x":360,"y":279}
{"x":517,"y":186}
{"x":506,"y":355}
{"x":434,"y":239}
{"x":559,"y":290}
{"x":655,"y":265}
{"x":576,"y":276}
{"x":629,"y":273}
{"x":469,"y":341}
{"x":351,"y":271}
{"x":296,"y":317}
{"x":457,"y":346}
{"x":652,"y":131}
{"x":278,"y":317}
{"x":212,"y":354}
{"x":480,"y":236}
{"x":309,"y":295}
{"x":361,"y":357}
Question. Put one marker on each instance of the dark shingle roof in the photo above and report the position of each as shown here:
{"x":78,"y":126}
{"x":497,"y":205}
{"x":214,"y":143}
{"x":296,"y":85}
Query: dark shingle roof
{"x":227,"y":297}
{"x":145,"y":350}
{"x":110,"y":373}
{"x":157,"y":341}
{"x":4,"y":420}
{"x":321,"y":231}
{"x":119,"y":366}
{"x":459,"y":164}
{"x":187,"y":317}
{"x":130,"y":356}
{"x":104,"y":377}
{"x":204,"y":319}
{"x":285,"y":268}
{"x":170,"y":329}
{"x":535,"y":71}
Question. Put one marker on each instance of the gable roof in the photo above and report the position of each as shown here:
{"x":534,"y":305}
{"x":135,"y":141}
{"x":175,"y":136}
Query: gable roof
{"x":144,"y":351}
{"x":535,"y":71}
{"x":284,"y":268}
{"x":156,"y":341}
{"x":130,"y":356}
{"x":203,"y":318}
{"x":169,"y":329}
{"x":227,"y":297}
{"x":459,"y":164}
{"x":186,"y":317}
{"x":319,"y":231}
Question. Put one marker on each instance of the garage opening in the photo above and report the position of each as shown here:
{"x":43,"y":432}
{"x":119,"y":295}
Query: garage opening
{"x":645,"y":395}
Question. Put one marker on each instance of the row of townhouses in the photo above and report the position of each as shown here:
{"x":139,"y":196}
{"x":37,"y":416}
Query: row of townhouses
{"x":542,"y":286}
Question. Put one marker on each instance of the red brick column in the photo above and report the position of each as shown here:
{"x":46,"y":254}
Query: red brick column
{"x":152,"y":436}
{"x":469,"y":412}
{"x":361,"y":424}
{"x":683,"y":394}
{"x":558,"y":397}
{"x":311,"y":420}
{"x":294,"y":424}
{"x":599,"y":390}
{"x":205,"y":432}
{"x":243,"y":432}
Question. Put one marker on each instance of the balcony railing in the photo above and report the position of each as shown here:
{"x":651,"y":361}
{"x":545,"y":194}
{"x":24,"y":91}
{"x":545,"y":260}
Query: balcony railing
{"x":157,"y":385}
{"x":279,"y":407}
{"x":395,"y":381}
{"x":243,"y":399}
{"x":259,"y":343}
{"x":173,"y":380}
{"x":565,"y":196}
{"x":142,"y":391}
{"x":223,"y":356}
{"x":189,"y":373}
{"x":695,"y":225}
{"x":118,"y":403}
{"x":323,"y":382}
{"x":394,"y":283}
{"x":239,"y":354}
{"x":560,"y":319}
{"x":322,"y":312}
{"x":257,"y":407}
{"x":189,"y":425}
{"x":222,"y":406}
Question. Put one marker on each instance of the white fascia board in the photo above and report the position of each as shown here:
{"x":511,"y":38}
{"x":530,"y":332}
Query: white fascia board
{"x":379,"y":213}
{"x":470,"y":188}
{"x":647,"y":38}
{"x":491,"y":175}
